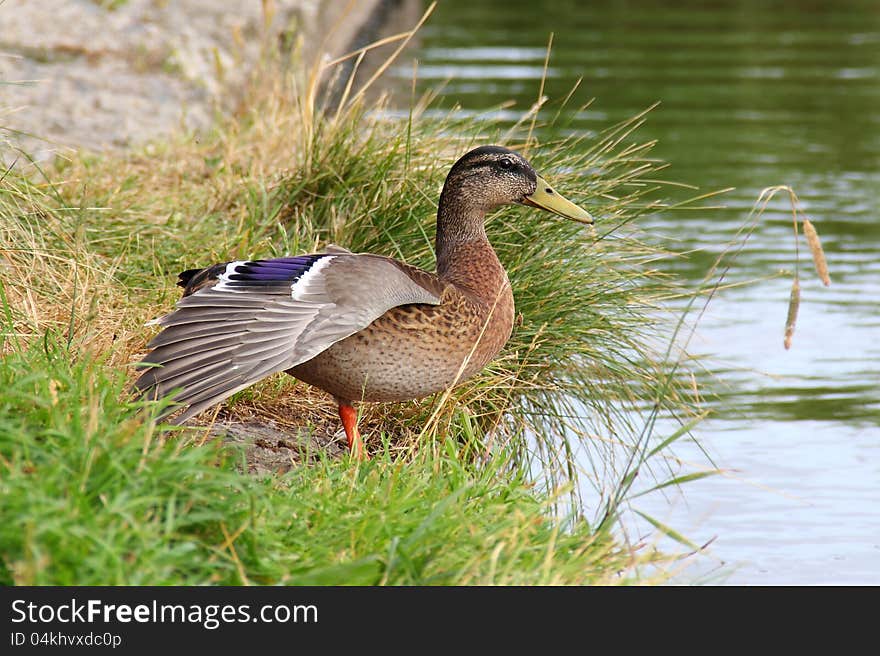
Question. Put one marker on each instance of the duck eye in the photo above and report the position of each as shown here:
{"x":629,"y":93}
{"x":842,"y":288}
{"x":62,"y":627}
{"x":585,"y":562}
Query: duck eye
{"x":505,"y":163}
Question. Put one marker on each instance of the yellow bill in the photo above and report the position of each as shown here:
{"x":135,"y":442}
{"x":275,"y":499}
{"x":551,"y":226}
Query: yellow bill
{"x":551,"y":200}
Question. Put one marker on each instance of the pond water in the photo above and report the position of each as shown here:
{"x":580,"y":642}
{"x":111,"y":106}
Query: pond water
{"x":752,"y":94}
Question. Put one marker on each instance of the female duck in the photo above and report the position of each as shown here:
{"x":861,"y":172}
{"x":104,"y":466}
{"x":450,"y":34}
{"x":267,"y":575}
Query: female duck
{"x":361,"y":327}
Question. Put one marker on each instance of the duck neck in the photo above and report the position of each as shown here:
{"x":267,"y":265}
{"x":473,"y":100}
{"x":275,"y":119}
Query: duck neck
{"x":465,"y":257}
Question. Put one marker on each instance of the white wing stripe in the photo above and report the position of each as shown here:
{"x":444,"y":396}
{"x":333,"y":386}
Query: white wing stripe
{"x":223,"y":279}
{"x":306,"y":286}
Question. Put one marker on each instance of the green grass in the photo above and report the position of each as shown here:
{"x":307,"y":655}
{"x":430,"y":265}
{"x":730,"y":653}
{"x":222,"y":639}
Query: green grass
{"x":91,"y":494}
{"x":482,"y":484}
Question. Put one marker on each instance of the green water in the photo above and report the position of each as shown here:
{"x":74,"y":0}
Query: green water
{"x":752,"y":94}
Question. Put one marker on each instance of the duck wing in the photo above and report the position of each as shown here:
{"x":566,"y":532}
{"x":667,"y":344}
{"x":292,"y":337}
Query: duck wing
{"x":242,"y":321}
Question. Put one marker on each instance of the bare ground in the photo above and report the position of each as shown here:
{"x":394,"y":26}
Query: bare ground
{"x":270,"y":448}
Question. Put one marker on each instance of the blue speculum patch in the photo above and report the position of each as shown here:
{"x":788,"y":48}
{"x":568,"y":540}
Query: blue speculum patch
{"x":287,"y":269}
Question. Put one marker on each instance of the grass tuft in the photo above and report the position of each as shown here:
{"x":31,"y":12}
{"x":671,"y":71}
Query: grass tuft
{"x":483,"y":484}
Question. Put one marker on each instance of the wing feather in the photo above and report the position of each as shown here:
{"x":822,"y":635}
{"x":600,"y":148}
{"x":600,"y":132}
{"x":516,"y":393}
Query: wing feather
{"x":260,"y":317}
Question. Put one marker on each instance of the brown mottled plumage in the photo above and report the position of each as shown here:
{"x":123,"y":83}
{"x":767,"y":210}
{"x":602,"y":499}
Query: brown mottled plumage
{"x":359,"y":326}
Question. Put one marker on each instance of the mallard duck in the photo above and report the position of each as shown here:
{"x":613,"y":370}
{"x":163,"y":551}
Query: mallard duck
{"x":359,"y":326}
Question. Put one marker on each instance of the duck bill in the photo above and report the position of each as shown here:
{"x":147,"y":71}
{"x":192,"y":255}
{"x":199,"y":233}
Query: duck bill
{"x":546,"y":198}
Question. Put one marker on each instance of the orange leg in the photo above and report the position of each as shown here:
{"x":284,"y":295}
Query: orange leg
{"x":348,"y":415}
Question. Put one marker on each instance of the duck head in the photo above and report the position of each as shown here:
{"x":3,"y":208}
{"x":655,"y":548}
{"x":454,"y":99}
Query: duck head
{"x":490,"y":176}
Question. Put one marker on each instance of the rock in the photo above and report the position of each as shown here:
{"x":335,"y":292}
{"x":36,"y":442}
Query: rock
{"x":107,"y":74}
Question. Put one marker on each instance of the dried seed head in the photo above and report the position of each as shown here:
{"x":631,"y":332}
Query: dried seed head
{"x":816,"y":250}
{"x":794,"y":302}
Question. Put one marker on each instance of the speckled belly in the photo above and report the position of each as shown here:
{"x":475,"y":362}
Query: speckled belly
{"x":410,"y":352}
